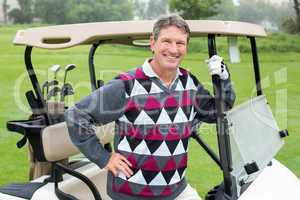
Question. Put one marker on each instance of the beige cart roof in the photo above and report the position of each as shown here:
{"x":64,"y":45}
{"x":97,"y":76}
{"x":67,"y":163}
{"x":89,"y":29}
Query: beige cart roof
{"x":123,"y":32}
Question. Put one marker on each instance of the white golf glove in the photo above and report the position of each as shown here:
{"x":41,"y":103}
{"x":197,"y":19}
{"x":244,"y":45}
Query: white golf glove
{"x":216,"y":66}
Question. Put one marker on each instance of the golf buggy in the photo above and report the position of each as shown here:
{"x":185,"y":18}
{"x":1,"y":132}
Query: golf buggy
{"x":248,"y":136}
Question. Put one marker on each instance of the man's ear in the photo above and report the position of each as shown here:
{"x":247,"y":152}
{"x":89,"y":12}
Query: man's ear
{"x":152,"y":42}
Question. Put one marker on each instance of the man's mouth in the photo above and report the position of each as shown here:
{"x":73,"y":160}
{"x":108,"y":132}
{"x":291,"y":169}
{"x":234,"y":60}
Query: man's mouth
{"x":172,"y":58}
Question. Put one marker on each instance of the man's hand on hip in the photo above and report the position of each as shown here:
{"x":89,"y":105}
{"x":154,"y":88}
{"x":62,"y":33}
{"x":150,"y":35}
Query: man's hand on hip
{"x":118,"y":163}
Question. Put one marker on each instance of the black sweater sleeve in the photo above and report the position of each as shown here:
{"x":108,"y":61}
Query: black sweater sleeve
{"x":104,"y":105}
{"x":206,"y":108}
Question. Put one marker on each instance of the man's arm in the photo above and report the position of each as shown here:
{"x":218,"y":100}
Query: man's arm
{"x":104,"y":105}
{"x":206,"y":107}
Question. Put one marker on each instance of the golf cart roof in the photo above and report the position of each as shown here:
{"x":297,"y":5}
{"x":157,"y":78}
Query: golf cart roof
{"x":123,"y":32}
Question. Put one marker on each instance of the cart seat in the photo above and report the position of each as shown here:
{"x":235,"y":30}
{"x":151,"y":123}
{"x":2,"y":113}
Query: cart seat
{"x":57,"y":144}
{"x":52,"y":143}
{"x":41,"y":189}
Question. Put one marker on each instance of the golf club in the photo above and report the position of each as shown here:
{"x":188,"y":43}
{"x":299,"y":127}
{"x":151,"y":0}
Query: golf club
{"x":66,"y":90}
{"x":55,"y":69}
{"x":48,"y":84}
{"x":69,"y":67}
{"x":45,"y":85}
{"x":53,"y":92}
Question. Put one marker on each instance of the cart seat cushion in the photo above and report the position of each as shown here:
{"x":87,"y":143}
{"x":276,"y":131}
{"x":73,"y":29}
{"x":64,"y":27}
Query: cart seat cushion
{"x":22,"y":190}
{"x":57,"y":144}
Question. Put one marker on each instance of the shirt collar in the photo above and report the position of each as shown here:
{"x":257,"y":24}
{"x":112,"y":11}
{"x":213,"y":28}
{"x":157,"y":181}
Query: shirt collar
{"x":147,"y":69}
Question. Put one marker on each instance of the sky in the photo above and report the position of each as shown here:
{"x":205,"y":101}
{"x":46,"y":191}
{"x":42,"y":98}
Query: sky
{"x":273,"y":1}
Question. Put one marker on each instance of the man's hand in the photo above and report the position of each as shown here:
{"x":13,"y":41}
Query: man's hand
{"x":118,"y":163}
{"x":216,"y":66}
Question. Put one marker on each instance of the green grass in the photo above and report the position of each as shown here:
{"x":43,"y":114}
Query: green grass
{"x":202,"y":173}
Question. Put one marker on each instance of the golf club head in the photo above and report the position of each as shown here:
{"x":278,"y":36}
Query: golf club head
{"x":53,"y":92}
{"x":67,"y":87}
{"x":52,"y":83}
{"x":70,"y":67}
{"x":45,"y":84}
{"x":55,"y":68}
{"x":66,"y":90}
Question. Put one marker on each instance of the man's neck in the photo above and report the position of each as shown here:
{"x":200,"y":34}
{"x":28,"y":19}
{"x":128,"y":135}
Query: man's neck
{"x":167,"y":76}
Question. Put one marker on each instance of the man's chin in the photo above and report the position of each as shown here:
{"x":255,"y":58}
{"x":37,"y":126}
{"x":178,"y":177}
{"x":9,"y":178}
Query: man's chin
{"x":171,"y":65}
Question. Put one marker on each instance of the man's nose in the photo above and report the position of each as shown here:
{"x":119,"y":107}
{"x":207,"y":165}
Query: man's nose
{"x":173,"y":47}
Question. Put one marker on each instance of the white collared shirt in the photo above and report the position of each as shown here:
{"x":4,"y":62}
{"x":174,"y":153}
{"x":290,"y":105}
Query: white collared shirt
{"x":147,"y":69}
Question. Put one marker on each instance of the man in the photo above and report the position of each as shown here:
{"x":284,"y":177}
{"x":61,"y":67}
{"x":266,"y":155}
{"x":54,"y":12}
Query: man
{"x":154,"y":107}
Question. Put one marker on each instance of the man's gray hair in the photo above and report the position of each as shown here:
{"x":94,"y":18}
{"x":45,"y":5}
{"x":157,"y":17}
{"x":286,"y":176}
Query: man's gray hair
{"x":172,"y":20}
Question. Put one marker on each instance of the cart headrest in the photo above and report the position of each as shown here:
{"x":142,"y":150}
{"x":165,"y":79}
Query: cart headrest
{"x":57,"y":144}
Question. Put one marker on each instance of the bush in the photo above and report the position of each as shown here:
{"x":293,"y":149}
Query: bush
{"x":289,"y":25}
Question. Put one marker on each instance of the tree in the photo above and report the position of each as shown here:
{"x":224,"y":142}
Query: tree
{"x":140,"y":9}
{"x":101,"y":10}
{"x":264,"y":12}
{"x":150,"y":9}
{"x":251,"y":11}
{"x":226,"y":11}
{"x":195,"y":9}
{"x":79,"y":11}
{"x":5,"y":7}
{"x":51,"y":12}
{"x":297,"y":9}
{"x":23,"y":14}
{"x":156,"y":8}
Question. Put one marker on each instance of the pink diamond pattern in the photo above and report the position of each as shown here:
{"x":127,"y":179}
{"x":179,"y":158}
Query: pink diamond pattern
{"x":146,"y":191}
{"x":126,"y":77}
{"x":170,"y":102}
{"x":186,"y":131}
{"x":135,"y":132}
{"x":170,"y":165}
{"x":154,"y":134}
{"x":133,"y":161}
{"x":167,"y":191}
{"x":183,"y":162}
{"x":186,"y":101}
{"x":126,"y":189}
{"x":150,"y":164}
{"x":172,"y":134}
{"x":152,"y":103}
{"x":139,"y":74}
{"x":132,"y":105}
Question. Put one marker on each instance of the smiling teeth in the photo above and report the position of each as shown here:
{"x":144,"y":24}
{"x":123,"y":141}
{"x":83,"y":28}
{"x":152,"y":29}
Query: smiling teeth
{"x":172,"y":57}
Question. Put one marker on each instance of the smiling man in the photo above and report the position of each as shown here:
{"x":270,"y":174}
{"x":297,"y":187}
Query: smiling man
{"x":155,"y":108}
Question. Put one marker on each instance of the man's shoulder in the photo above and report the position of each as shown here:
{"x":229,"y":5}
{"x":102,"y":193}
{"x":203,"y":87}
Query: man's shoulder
{"x":187,"y":73}
{"x":134,"y":73}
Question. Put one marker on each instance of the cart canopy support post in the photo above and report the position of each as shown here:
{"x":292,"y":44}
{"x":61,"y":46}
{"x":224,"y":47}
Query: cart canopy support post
{"x":222,"y":132}
{"x":35,"y":83}
{"x":92,"y":65}
{"x":256,"y":66}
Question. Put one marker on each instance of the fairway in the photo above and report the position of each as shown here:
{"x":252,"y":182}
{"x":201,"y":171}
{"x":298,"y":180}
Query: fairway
{"x":280,"y":73}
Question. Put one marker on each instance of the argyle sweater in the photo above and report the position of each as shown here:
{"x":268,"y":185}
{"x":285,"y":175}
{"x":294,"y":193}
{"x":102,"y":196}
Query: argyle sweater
{"x":153,"y":125}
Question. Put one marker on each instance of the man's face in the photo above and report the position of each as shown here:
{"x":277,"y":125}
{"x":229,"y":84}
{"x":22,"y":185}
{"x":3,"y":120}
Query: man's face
{"x":169,"y":48}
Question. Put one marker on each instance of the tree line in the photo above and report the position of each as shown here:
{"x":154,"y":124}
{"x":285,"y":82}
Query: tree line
{"x":285,"y":16}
